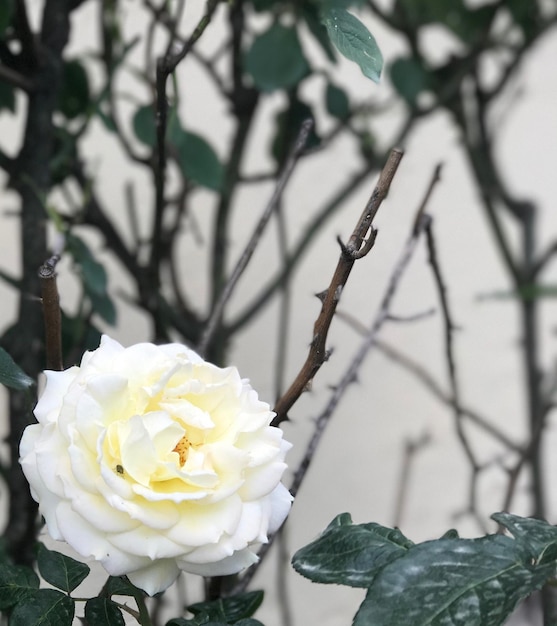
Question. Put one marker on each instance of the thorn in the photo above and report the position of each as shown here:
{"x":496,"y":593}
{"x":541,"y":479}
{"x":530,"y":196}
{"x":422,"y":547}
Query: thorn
{"x":322,"y":295}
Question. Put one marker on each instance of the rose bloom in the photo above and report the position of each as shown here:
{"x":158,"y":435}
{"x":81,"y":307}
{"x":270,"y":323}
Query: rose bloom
{"x":152,"y":461}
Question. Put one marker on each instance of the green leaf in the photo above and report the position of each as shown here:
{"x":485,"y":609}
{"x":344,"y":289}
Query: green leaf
{"x":61,"y":571}
{"x":103,"y":612}
{"x":119,"y":586}
{"x":310,"y":13}
{"x":16,"y":584}
{"x":337,"y":102}
{"x":276,"y":60}
{"x":94,"y":278}
{"x":46,"y":607}
{"x":7,"y":97}
{"x":231,"y":609}
{"x":354,"y":41}
{"x":538,"y":536}
{"x":74,"y":95}
{"x":453,"y":581}
{"x":12,"y":375}
{"x":350,"y":555}
{"x":143,"y":124}
{"x":410,"y":79}
{"x":263,"y":5}
{"x":287,"y":123}
{"x":198,"y":161}
{"x":6,"y":12}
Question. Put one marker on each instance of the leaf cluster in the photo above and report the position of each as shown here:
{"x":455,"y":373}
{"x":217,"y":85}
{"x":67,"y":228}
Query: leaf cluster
{"x":447,"y":580}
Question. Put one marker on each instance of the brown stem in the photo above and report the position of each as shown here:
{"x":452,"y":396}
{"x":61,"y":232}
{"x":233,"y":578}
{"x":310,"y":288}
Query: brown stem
{"x":51,"y":314}
{"x":356,"y":248}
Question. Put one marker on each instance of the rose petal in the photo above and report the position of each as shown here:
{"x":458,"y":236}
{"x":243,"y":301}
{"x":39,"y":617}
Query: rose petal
{"x":156,"y":577}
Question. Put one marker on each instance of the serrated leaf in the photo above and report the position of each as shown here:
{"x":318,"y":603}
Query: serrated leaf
{"x":453,"y":581}
{"x":61,"y":571}
{"x":353,"y":40}
{"x":46,"y":607}
{"x":16,"y":583}
{"x":103,"y":612}
{"x":12,"y":375}
{"x":337,"y":102}
{"x":74,"y":95}
{"x":347,"y":554}
{"x":276,"y":59}
{"x":198,"y":161}
{"x":537,"y":535}
{"x":230,"y":609}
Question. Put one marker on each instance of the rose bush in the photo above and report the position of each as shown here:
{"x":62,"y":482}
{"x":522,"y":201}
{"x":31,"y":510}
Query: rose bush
{"x":152,"y":461}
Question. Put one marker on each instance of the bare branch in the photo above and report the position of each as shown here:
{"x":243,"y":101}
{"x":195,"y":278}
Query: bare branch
{"x":356,"y":248}
{"x":245,"y":258}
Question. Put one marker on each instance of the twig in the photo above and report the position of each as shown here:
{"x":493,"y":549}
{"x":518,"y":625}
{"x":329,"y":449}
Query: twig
{"x":411,"y":448}
{"x":432,"y":385}
{"x":165,"y":66}
{"x":449,"y":327}
{"x":51,"y":313}
{"x":15,"y":79}
{"x":347,"y":379}
{"x":356,"y":248}
{"x":218,"y":309}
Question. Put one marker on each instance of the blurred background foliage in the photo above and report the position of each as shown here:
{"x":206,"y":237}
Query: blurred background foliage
{"x":131,"y":85}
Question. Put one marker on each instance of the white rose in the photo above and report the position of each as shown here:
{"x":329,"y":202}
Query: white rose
{"x":152,"y":461}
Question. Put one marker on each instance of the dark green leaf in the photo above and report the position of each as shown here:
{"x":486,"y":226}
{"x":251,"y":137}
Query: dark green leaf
{"x":61,"y":571}
{"x":231,"y":609}
{"x":410,"y":79}
{"x":526,"y":15}
{"x":350,"y":555}
{"x":6,"y":12}
{"x":7,"y":97}
{"x":74,"y":96}
{"x":103,"y":612}
{"x":310,"y":14}
{"x":276,"y":60}
{"x":119,"y":586}
{"x":16,"y":583}
{"x":104,"y":307}
{"x":144,"y":127}
{"x":12,"y":375}
{"x":453,"y":581}
{"x":450,"y":534}
{"x":337,"y":102}
{"x":46,"y":607}
{"x":342,"y":4}
{"x":198,"y":161}
{"x":94,"y":278}
{"x":288,"y":124}
{"x":263,"y":5}
{"x":538,"y":536}
{"x":354,"y":41}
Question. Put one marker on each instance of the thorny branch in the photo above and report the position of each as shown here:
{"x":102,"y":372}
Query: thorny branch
{"x":356,"y":248}
{"x":350,"y":375}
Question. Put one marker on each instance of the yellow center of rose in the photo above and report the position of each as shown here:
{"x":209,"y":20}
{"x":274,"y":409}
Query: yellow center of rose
{"x":182,"y":448}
